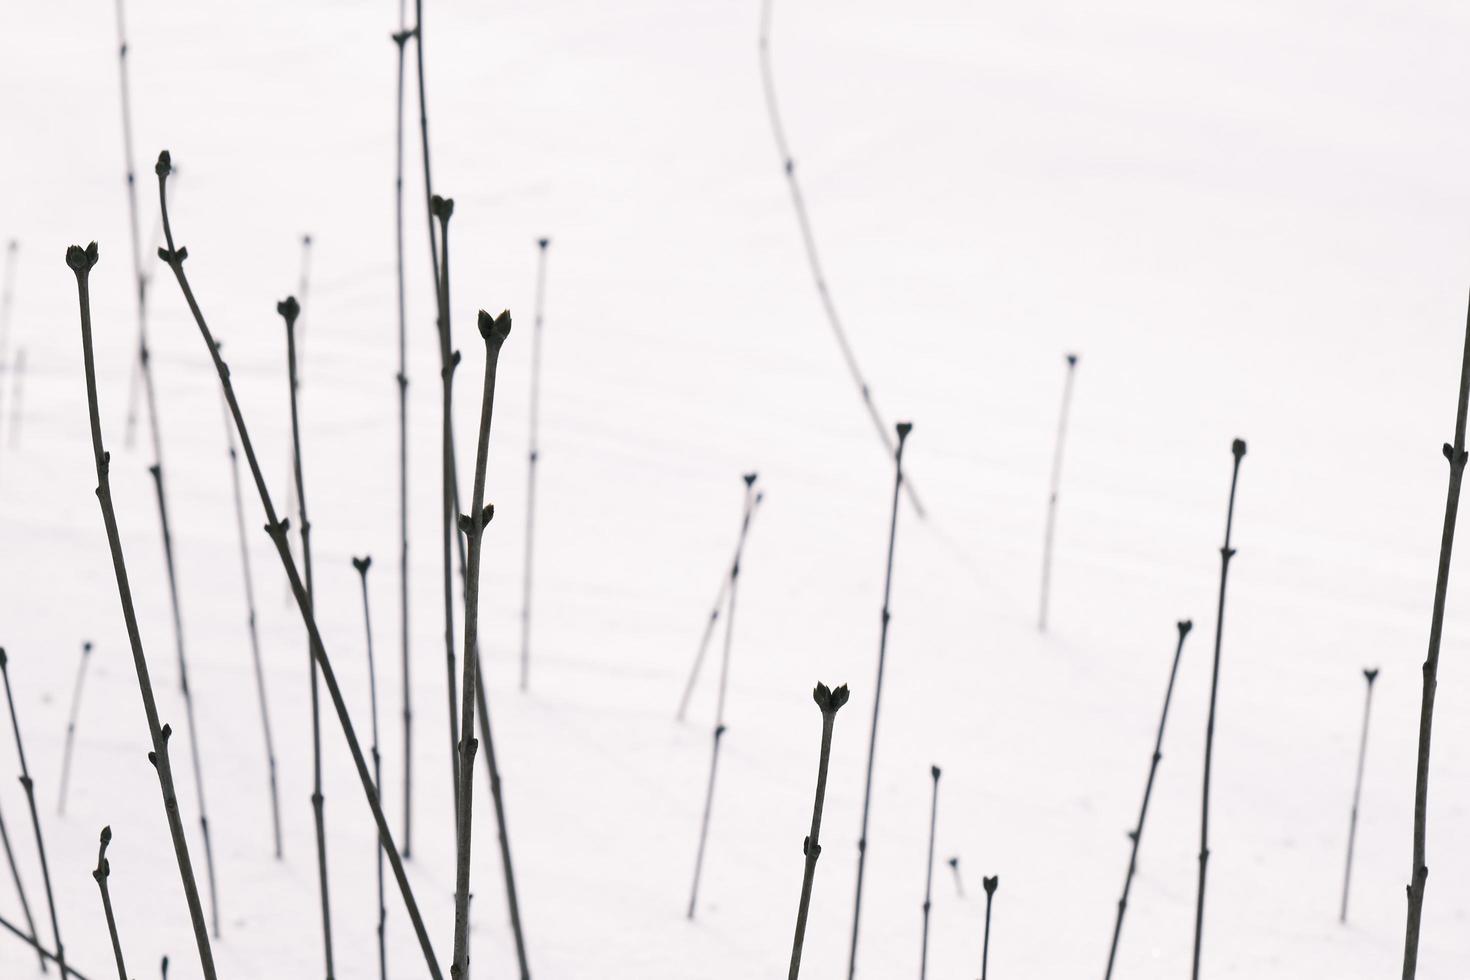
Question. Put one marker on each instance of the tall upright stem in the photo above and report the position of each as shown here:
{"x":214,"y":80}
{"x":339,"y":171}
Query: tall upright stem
{"x":81,"y":262}
{"x":443,"y":209}
{"x":1347,"y":876}
{"x":494,"y":331}
{"x":1051,"y":500}
{"x":25,"y":904}
{"x":71,"y":727}
{"x":248,"y":577}
{"x":533,"y":456}
{"x":929,"y":874}
{"x":276,"y":529}
{"x":809,"y":241}
{"x":1136,"y":834}
{"x":991,"y":884}
{"x":399,"y":40}
{"x":29,"y":786}
{"x":1456,"y":456}
{"x":140,"y":278}
{"x":1237,"y":450}
{"x":903,"y":429}
{"x":362,"y":565}
{"x":289,"y":310}
{"x":829,"y":701}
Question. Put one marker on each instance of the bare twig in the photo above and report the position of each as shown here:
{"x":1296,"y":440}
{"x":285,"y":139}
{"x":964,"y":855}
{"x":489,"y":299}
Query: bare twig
{"x":29,"y":786}
{"x":929,"y":874}
{"x":104,"y":870}
{"x":443,"y":209}
{"x":1051,"y":500}
{"x":1136,"y":834}
{"x":1237,"y":450}
{"x":45,"y":953}
{"x":277,"y":530}
{"x":903,"y":429}
{"x":829,"y":701}
{"x":991,"y":884}
{"x":25,"y":904}
{"x":362,"y":565}
{"x":1370,"y":675}
{"x":71,"y":726}
{"x":959,"y":883}
{"x":533,"y":456}
{"x":1456,"y":456}
{"x":808,"y":239}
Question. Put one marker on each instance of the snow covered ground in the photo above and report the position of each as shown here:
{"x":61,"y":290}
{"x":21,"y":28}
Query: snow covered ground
{"x":1248,"y":221}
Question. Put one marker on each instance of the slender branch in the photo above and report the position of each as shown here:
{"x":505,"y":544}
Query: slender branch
{"x":1370,"y":675}
{"x":29,"y":786}
{"x":929,"y":874}
{"x":290,"y":310}
{"x":1237,"y":450}
{"x":249,"y":579}
{"x":277,"y":531}
{"x":442,"y":209}
{"x":362,"y":565}
{"x":71,"y":727}
{"x":103,"y":872}
{"x":959,"y":884}
{"x":991,"y":884}
{"x":719,"y":732}
{"x":25,"y":904}
{"x":45,"y":953}
{"x":533,"y":457}
{"x":399,"y":40}
{"x":1456,"y":456}
{"x":1136,"y":834}
{"x":1051,"y":500}
{"x":903,"y":429}
{"x":752,"y":501}
{"x":494,"y":331}
{"x":828,"y":701}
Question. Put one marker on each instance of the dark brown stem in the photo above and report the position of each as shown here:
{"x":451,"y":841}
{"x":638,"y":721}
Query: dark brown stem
{"x":752,"y":500}
{"x":71,"y":727}
{"x":81,"y":262}
{"x":25,"y":904}
{"x":29,"y":786}
{"x":104,"y":870}
{"x":903,"y":429}
{"x":494,"y":331}
{"x":533,"y":457}
{"x":809,"y":241}
{"x":249,"y":579}
{"x":829,"y":701}
{"x":1237,"y":450}
{"x":1136,"y":834}
{"x":362,"y":565}
{"x":289,"y":310}
{"x":1456,"y":456}
{"x":448,"y":360}
{"x":45,"y":953}
{"x":1051,"y":500}
{"x":929,"y":874}
{"x":277,"y":530}
{"x":1370,"y":676}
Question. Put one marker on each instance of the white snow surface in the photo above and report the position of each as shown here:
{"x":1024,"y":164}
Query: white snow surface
{"x":1249,"y":221}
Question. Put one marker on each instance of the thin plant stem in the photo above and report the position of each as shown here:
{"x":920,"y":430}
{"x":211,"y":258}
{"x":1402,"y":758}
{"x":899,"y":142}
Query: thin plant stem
{"x":399,"y":40}
{"x":929,"y":874}
{"x":25,"y":904}
{"x":1456,"y":456}
{"x":443,"y":208}
{"x":752,"y":500}
{"x":809,"y":241}
{"x":45,"y":954}
{"x":1051,"y":500}
{"x":289,"y":310}
{"x":1370,"y":675}
{"x":81,"y":262}
{"x":903,"y":429}
{"x":719,"y":731}
{"x":103,"y":872}
{"x":532,"y":458}
{"x":248,"y":578}
{"x":30,"y":787}
{"x":1237,"y":450}
{"x":277,"y":529}
{"x":959,"y":884}
{"x":494,"y":331}
{"x":828,"y":701}
{"x":1136,"y":834}
{"x":71,"y":726}
{"x":362,"y":565}
{"x":991,"y":884}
